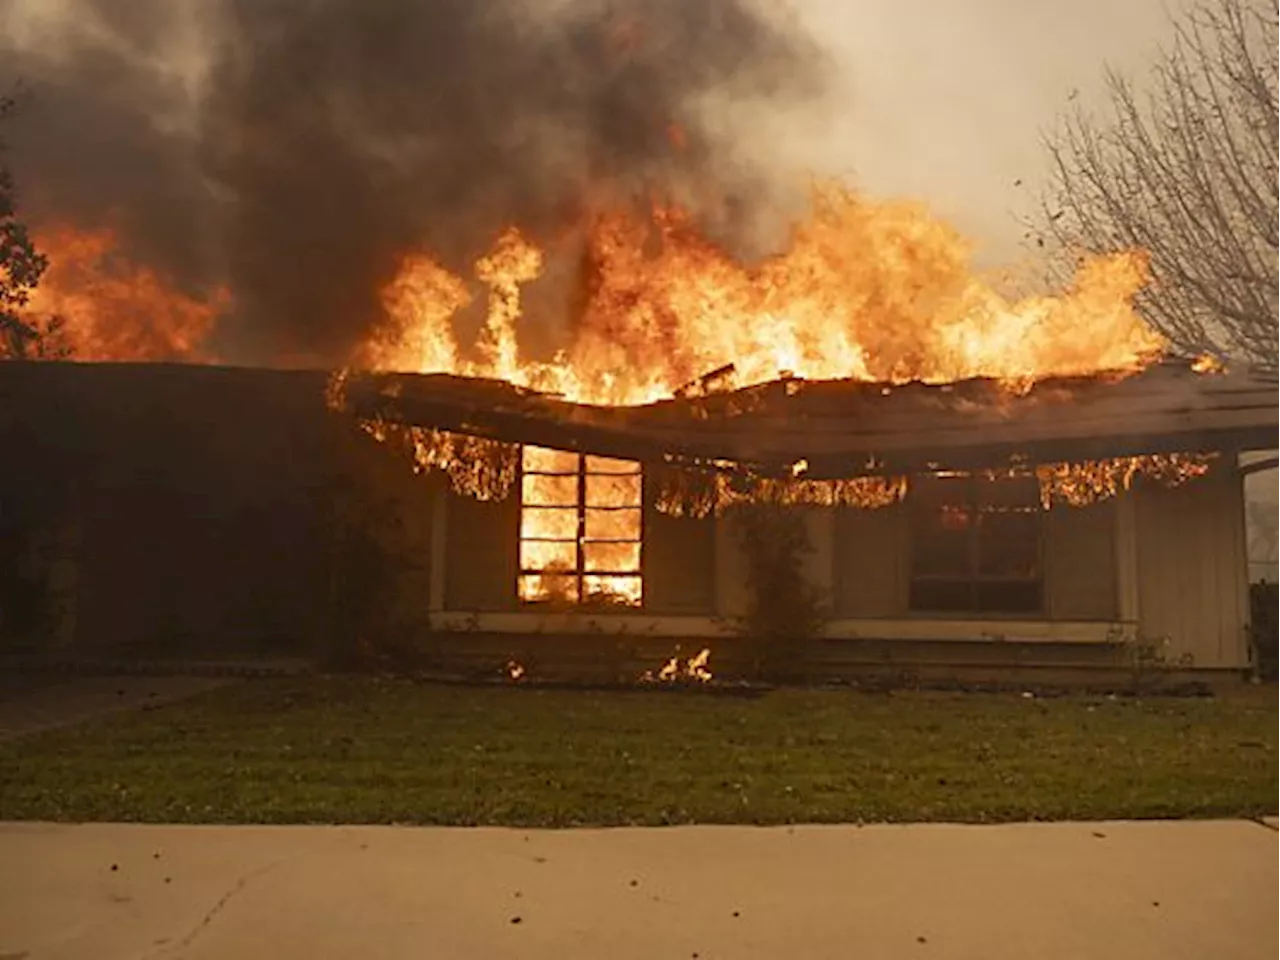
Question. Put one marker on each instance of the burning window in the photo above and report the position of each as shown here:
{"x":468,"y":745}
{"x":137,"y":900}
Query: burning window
{"x":976,"y":545}
{"x":580,"y":525}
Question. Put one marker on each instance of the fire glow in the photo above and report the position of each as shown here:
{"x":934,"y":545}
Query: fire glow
{"x":864,"y":291}
{"x":580,"y":529}
{"x":694,"y":669}
{"x":108,"y":307}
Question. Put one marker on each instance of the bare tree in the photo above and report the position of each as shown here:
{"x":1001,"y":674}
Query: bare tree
{"x":1188,"y":173}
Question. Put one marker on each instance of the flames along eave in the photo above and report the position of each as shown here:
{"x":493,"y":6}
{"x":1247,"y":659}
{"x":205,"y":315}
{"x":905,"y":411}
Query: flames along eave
{"x":837,"y":430}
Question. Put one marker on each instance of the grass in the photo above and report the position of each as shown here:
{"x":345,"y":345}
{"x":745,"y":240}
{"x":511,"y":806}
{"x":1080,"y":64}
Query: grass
{"x":361,"y":750}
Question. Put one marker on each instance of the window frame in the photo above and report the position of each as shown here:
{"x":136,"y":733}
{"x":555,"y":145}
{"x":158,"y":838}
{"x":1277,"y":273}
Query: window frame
{"x":921,"y":513}
{"x":581,"y":509}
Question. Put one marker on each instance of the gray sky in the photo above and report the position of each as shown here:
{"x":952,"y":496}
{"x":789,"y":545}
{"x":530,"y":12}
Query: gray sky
{"x":946,"y":98}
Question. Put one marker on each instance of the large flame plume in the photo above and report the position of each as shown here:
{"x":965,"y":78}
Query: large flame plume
{"x":863,"y":290}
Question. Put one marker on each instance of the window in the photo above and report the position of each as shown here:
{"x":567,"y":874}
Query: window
{"x":976,"y":545}
{"x":580,"y":525}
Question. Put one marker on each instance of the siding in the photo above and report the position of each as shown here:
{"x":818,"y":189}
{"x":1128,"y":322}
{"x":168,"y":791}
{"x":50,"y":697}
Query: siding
{"x":873,"y":548}
{"x":1080,"y":562}
{"x":481,"y":553}
{"x":870,"y":553}
{"x":1191,"y":576}
{"x":679,"y":559}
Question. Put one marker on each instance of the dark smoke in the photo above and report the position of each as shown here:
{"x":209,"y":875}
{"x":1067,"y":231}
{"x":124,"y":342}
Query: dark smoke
{"x":329,"y":136}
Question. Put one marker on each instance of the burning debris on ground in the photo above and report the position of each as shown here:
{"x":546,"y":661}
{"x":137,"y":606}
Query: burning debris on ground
{"x":690,"y":671}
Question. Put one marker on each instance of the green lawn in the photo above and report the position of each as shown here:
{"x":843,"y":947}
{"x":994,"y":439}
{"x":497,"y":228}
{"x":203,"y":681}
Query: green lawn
{"x":365,"y":750}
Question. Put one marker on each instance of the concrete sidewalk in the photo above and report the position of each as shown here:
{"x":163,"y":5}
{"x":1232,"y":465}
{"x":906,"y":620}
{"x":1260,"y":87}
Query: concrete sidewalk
{"x":1096,"y":890}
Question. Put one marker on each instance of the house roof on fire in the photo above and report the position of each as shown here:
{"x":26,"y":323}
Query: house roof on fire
{"x":846,"y":428}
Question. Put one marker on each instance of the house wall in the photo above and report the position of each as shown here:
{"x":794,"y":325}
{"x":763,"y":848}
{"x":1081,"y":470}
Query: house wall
{"x":1151,"y":563}
{"x":196,"y":514}
{"x":195,"y":508}
{"x":1191,"y":569}
{"x":481,"y":553}
{"x":195,"y":523}
{"x":872,"y":569}
{"x":678,"y":558}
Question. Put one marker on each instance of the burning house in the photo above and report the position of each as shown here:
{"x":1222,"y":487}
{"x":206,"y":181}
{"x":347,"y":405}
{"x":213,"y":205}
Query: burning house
{"x":609,"y":394}
{"x":1052,"y":524}
{"x":963,"y":486}
{"x":949,"y":530}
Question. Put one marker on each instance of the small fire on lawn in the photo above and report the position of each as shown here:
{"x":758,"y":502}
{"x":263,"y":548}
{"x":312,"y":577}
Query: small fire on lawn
{"x":675,"y":670}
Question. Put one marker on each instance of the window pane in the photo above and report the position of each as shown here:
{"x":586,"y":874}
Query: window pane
{"x":941,"y":555}
{"x":542,"y":460}
{"x":942,"y":596}
{"x":613,"y":524}
{"x":548,"y":588}
{"x":1008,"y":492}
{"x":935,"y":491}
{"x":549,"y":491}
{"x":611,"y":557}
{"x":1009,"y":597}
{"x":1009,"y":545}
{"x":613,"y":491}
{"x":548,"y":554}
{"x":608,"y":465}
{"x":554,"y":523}
{"x":976,"y":545}
{"x":626,"y":590}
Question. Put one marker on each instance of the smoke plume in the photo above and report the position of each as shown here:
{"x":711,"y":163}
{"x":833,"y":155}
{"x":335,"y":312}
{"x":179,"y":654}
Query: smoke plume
{"x":294,"y":149}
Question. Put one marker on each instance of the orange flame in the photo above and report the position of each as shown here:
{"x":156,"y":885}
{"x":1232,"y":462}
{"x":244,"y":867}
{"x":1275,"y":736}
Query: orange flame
{"x":1089,"y":482}
{"x":580,"y":529}
{"x":110,"y":308}
{"x":676,"y":671}
{"x":863,"y":290}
